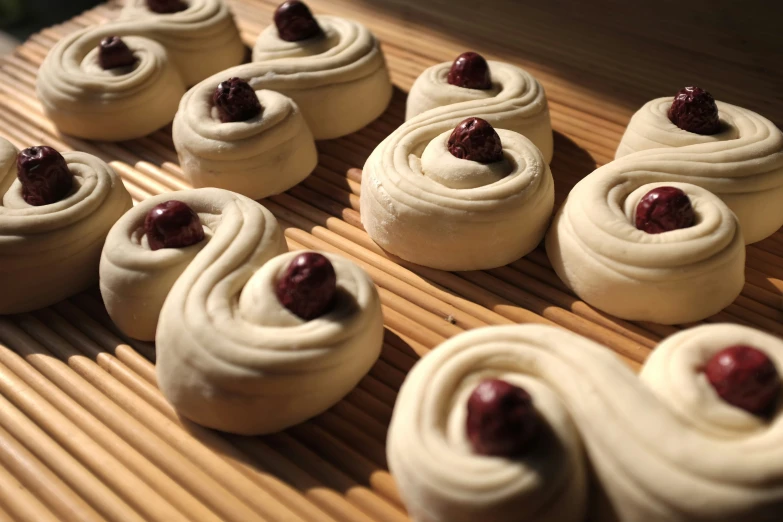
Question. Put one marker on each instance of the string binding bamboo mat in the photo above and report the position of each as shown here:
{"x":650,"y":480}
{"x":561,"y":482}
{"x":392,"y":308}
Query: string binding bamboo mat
{"x":84,"y":433}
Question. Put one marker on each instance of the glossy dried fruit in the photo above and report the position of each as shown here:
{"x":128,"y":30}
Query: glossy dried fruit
{"x":166,"y":6}
{"x":44,"y":175}
{"x":113,"y":52}
{"x":172,"y":224}
{"x":744,"y":377}
{"x":502,"y":420}
{"x":664,"y":209}
{"x":695,"y":110}
{"x":295,"y":22}
{"x":236,"y":100}
{"x":470,"y":70}
{"x":308,"y":286}
{"x":476,"y":140}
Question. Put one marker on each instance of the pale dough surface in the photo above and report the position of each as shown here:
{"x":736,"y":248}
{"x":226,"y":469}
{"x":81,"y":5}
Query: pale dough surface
{"x":672,"y":278}
{"x":340,"y":81}
{"x":231,"y":357}
{"x":257,"y":158}
{"x":135,"y":279}
{"x":655,"y":444}
{"x":424,"y":205}
{"x":515,"y":102}
{"x":174,"y":51}
{"x":51,"y":252}
{"x":743,"y":164}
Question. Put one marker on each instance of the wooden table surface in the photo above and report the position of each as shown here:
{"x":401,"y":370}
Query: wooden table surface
{"x":86,"y":435}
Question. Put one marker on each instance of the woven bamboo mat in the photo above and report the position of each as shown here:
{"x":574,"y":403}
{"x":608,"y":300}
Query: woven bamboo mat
{"x":84,"y":433}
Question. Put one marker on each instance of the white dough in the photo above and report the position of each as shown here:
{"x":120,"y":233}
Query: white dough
{"x":670,"y":451}
{"x":256,"y":158}
{"x":135,"y":279}
{"x":515,"y":102}
{"x":173,"y":51}
{"x":743,"y":164}
{"x":229,"y":355}
{"x":424,"y":205}
{"x":234,"y":359}
{"x":340,"y":81}
{"x":671,"y":278}
{"x":50,"y":252}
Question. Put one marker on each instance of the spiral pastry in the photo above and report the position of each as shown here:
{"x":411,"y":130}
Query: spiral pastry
{"x":423,"y":204}
{"x":230,"y":354}
{"x":50,"y":252}
{"x":171,"y":52}
{"x":235,"y":359}
{"x":339,"y":80}
{"x":742,"y":164}
{"x":265,"y":155}
{"x":515,"y":101}
{"x":653,"y":452}
{"x":135,"y":279}
{"x":671,"y":278}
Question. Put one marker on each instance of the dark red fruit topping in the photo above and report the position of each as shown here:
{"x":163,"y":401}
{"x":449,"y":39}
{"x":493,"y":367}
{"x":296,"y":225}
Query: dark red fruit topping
{"x":44,"y":175}
{"x":664,"y":209}
{"x":476,"y":140}
{"x":114,"y":53}
{"x":744,"y":377}
{"x":166,"y":6}
{"x":295,"y":22}
{"x":694,"y":110}
{"x":172,"y":224}
{"x":470,"y":70}
{"x":308,"y":286}
{"x":236,"y":100}
{"x":502,"y":420}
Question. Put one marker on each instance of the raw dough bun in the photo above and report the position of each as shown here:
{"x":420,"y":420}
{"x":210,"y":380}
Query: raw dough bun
{"x":51,"y":252}
{"x":439,"y":477}
{"x":424,"y":205}
{"x":743,"y":164}
{"x":340,"y":82}
{"x":231,"y":357}
{"x":173,"y":51}
{"x":257,"y":158}
{"x":515,"y":102}
{"x":135,"y":280}
{"x":671,"y":278}
{"x":652,"y":451}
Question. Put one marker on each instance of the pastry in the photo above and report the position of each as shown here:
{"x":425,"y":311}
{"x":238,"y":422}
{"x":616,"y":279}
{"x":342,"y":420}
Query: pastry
{"x":129,"y":75}
{"x":140,"y":263}
{"x":456,"y":195}
{"x":331,"y":67}
{"x":507,"y":423}
{"x":255,"y":143}
{"x":56,"y":211}
{"x":505,"y":95}
{"x":732,"y":152}
{"x":642,"y":249}
{"x":248,"y":341}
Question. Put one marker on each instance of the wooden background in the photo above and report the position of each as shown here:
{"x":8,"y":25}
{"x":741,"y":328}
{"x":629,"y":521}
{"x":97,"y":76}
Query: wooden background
{"x":85,"y":434}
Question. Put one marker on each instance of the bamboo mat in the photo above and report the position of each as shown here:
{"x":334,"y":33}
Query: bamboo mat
{"x":84,"y":433}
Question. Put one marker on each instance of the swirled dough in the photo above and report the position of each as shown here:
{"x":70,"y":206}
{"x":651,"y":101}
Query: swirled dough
{"x":257,"y":158}
{"x":424,"y":205}
{"x":235,"y":359}
{"x":172,"y":51}
{"x":515,"y":102}
{"x":743,"y":164}
{"x":338,"y":81}
{"x":51,"y":252}
{"x":135,"y":279}
{"x":671,"y":278}
{"x":670,"y":451}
